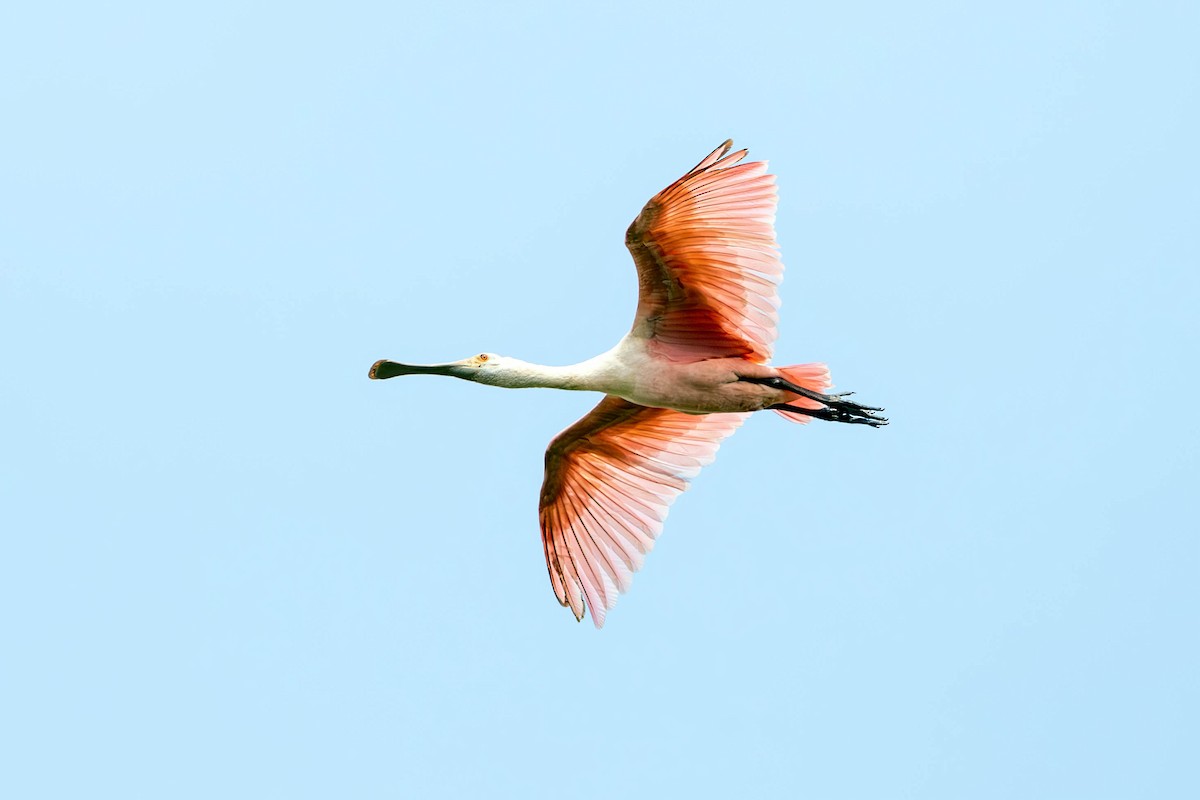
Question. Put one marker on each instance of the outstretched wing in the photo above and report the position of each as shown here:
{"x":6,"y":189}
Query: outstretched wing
{"x":707,"y":262}
{"x":610,"y":479}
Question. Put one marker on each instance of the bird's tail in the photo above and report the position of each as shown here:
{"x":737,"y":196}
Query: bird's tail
{"x":814,"y":377}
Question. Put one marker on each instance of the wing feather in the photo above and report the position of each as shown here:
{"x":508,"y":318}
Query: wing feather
{"x":707,"y":262}
{"x":610,"y":480}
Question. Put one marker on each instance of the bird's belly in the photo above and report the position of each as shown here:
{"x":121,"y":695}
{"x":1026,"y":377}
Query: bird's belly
{"x":712,"y":386}
{"x":701,"y":393}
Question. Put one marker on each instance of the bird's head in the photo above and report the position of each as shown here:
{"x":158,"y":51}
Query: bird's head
{"x":481,"y":368}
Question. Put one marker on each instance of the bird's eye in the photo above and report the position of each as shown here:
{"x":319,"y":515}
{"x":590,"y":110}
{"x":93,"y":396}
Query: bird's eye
{"x":483,"y":356}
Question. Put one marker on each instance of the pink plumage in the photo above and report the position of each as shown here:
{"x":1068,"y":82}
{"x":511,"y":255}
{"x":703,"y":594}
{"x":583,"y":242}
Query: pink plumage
{"x":707,"y":262}
{"x":610,"y":479}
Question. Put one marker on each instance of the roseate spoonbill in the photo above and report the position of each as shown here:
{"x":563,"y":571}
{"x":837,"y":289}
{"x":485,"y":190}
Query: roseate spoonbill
{"x":687,"y":375}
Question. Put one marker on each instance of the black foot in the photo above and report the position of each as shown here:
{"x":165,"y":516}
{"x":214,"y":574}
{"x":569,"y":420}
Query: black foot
{"x":837,"y":407}
{"x":866,"y":416}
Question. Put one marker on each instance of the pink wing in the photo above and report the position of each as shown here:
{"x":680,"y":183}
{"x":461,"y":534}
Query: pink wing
{"x":707,"y":262}
{"x":610,"y":479}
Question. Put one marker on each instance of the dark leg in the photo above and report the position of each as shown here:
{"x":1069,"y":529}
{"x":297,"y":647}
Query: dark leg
{"x":838,"y":409}
{"x":834,"y":415}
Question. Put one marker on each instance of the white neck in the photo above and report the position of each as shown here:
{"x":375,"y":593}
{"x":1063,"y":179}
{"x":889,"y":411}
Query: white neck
{"x":513,"y":373}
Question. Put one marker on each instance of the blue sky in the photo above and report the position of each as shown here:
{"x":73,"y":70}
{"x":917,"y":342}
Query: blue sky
{"x":234,"y":567}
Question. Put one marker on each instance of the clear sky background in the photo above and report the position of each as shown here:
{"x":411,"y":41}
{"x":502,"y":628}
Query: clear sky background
{"x":234,"y":567}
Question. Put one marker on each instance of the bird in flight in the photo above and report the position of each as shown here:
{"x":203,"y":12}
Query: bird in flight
{"x":687,"y":375}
